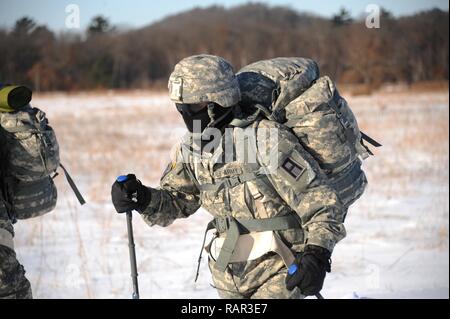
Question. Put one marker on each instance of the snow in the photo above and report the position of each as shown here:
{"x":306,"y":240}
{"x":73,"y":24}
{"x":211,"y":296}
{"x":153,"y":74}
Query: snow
{"x":397,"y":244}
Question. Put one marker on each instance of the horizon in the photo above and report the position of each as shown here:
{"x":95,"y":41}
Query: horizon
{"x":53,"y":14}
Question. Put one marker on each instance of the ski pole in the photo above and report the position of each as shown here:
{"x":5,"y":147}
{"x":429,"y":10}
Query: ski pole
{"x":131,"y":246}
{"x":134,"y":272}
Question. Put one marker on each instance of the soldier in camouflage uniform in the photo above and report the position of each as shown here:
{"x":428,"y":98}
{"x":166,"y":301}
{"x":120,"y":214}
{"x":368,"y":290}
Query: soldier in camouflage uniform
{"x":268,"y":215}
{"x":13,"y":283}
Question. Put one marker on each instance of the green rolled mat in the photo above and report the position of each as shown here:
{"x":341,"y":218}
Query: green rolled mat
{"x":14,"y":97}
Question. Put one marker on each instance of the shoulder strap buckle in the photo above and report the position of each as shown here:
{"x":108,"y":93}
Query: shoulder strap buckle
{"x":222,"y":223}
{"x":232,"y":181}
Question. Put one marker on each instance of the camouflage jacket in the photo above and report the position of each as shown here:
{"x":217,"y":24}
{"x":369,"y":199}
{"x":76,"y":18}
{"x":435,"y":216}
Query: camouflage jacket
{"x":294,"y":183}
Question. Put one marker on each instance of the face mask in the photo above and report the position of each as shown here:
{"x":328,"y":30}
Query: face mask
{"x":194,"y":118}
{"x":197,"y":119}
{"x":222,"y":116}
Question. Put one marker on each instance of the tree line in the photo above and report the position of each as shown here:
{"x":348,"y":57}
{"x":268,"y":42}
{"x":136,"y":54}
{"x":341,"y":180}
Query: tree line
{"x":404,"y":49}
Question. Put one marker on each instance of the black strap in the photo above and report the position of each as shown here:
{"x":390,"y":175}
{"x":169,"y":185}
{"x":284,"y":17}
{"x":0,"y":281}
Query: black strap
{"x":73,"y":186}
{"x":208,"y":228}
{"x":370,"y":140}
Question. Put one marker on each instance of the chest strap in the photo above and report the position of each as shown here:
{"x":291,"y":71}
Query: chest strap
{"x":230,"y":182}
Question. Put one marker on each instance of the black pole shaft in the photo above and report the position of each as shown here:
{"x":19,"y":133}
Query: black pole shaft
{"x":131,"y":246}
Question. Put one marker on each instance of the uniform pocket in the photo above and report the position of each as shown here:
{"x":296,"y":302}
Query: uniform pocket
{"x":33,"y":199}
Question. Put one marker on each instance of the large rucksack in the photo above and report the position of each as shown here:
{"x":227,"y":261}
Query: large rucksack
{"x":30,"y":158}
{"x":290,"y":91}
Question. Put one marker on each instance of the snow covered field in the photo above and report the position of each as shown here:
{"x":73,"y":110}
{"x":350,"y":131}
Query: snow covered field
{"x":397,"y":244}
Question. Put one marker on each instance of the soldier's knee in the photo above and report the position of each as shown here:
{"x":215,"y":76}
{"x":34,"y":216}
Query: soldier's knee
{"x":13,"y":283}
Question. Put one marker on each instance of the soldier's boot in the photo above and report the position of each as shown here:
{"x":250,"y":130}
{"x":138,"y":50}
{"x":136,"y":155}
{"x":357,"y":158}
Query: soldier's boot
{"x":13,"y":283}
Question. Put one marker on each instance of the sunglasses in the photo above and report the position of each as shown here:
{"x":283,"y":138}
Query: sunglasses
{"x":190,"y":109}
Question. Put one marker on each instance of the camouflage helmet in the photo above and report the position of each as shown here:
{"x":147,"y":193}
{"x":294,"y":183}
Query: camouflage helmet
{"x":204,"y":78}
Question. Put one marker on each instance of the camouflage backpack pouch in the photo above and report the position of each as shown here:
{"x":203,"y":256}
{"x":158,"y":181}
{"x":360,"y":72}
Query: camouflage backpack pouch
{"x":328,"y":130}
{"x":32,"y":157}
{"x":289,"y":91}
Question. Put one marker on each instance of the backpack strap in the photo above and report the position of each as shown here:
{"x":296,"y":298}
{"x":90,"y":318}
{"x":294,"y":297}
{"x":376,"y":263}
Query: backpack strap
{"x":187,"y":167}
{"x":370,"y":140}
{"x":73,"y":186}
{"x":208,"y":228}
{"x":244,"y":122}
{"x":348,"y":131}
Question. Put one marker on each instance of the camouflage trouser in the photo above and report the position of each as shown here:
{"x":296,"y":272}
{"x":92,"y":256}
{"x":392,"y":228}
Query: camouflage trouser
{"x":262,"y":278}
{"x":13,"y":283}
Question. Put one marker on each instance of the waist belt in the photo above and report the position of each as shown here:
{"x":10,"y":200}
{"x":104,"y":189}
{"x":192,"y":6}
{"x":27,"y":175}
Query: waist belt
{"x":228,"y":224}
{"x":233,"y":228}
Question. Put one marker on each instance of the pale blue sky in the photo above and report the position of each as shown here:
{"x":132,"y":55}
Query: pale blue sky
{"x":137,"y":13}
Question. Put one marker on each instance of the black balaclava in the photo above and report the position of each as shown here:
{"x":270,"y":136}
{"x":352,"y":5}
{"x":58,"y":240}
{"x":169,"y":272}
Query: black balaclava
{"x":212,"y":115}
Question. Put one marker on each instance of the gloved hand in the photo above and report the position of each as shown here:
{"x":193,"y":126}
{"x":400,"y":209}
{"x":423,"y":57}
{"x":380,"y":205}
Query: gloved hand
{"x":309,"y":270}
{"x":130,"y":194}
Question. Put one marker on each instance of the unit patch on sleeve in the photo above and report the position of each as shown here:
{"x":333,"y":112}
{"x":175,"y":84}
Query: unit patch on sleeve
{"x":293,"y":168}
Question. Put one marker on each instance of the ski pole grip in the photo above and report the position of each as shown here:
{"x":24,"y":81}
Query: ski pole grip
{"x":122,"y":178}
{"x":292,"y":269}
